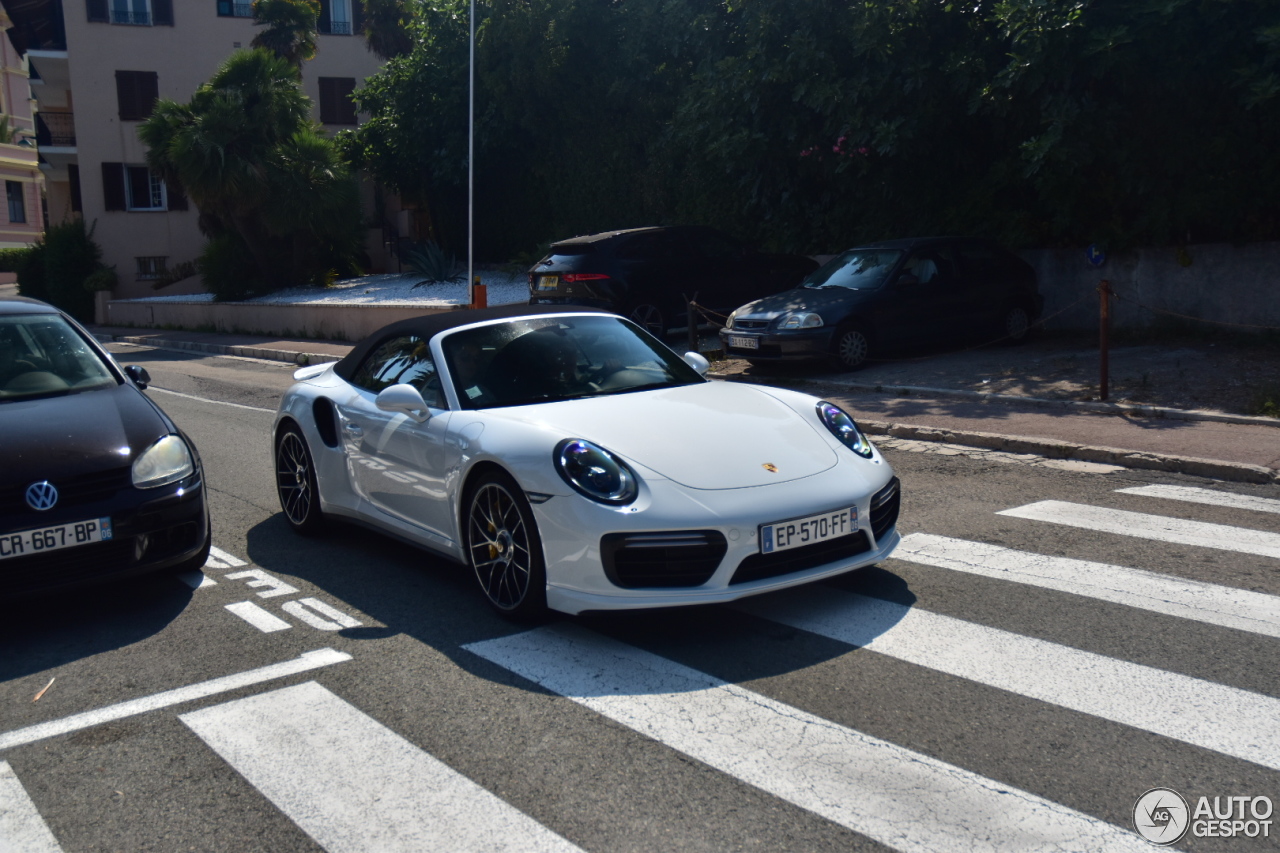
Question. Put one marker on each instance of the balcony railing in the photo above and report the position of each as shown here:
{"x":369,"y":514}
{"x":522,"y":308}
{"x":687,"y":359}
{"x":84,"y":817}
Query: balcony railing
{"x":138,"y":19}
{"x":335,"y":28}
{"x":56,"y":130}
{"x":228,"y":9}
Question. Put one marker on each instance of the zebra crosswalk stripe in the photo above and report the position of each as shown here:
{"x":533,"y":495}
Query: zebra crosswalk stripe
{"x":22,"y":830}
{"x":1226,"y":606}
{"x":901,"y":798}
{"x":1154,"y":527}
{"x":1225,"y":719}
{"x":1209,"y":497}
{"x":354,"y":785}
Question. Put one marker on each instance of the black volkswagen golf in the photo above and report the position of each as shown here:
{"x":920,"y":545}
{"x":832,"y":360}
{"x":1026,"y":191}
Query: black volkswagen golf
{"x":96,"y":482}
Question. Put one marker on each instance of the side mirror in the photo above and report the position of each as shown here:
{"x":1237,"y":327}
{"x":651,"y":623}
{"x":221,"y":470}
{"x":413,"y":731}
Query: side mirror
{"x":697,"y":362}
{"x":908,"y":279}
{"x":404,"y":399}
{"x":139,"y":375}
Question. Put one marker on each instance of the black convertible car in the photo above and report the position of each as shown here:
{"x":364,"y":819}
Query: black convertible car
{"x":96,"y":482}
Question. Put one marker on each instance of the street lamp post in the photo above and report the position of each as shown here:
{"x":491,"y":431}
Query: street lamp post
{"x":471,"y":161}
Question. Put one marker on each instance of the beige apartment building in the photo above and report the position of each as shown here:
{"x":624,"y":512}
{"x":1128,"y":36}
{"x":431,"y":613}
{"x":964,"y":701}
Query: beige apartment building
{"x":23,"y":220}
{"x":97,"y":67}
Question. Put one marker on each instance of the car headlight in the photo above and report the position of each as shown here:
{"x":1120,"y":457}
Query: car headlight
{"x":842,"y":427}
{"x":166,"y":461}
{"x":801,"y":321}
{"x":728,"y":324}
{"x":594,"y":472}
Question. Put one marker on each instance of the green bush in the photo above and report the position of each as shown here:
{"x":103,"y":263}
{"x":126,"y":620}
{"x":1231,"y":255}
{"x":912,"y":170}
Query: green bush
{"x":56,"y":268}
{"x":103,"y":278}
{"x":228,"y":269}
{"x":11,"y":260}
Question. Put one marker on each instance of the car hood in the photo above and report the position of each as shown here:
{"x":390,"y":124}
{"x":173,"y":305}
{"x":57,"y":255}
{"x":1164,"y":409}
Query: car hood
{"x":714,"y":435}
{"x":55,"y":437}
{"x":818,"y":299}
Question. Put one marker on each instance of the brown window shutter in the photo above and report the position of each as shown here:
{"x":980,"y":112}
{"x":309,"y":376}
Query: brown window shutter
{"x":98,"y":13}
{"x":137,"y":92}
{"x":336,"y":106}
{"x":73,"y":173}
{"x":347,"y":107}
{"x":323,"y":24}
{"x":357,"y":17}
{"x":113,"y":186}
{"x":162,"y":12}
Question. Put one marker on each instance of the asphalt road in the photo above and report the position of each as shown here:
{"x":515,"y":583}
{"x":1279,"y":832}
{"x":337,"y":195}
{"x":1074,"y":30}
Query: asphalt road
{"x":965,"y":695}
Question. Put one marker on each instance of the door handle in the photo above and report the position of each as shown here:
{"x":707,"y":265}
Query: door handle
{"x":353,"y":429}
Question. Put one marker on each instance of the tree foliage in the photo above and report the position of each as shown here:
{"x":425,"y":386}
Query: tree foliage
{"x":289,"y":28}
{"x":814,"y":124}
{"x":261,"y":171}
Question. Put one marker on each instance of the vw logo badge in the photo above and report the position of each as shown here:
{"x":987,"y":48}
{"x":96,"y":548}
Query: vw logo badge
{"x":42,"y":495}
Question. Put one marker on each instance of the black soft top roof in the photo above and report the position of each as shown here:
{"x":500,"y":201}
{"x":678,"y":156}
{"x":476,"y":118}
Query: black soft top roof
{"x":429,"y":325}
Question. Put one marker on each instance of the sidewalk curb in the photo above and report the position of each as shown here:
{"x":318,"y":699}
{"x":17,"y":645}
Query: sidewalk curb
{"x":289,"y":356}
{"x":1238,"y":472}
{"x":1040,"y":402}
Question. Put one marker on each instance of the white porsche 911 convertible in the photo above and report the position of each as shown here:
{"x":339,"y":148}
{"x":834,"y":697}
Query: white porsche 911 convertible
{"x":573,"y":461}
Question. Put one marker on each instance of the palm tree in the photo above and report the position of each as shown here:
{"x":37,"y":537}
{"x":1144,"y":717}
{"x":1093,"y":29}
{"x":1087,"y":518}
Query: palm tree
{"x":386,"y":28}
{"x":290,"y":28}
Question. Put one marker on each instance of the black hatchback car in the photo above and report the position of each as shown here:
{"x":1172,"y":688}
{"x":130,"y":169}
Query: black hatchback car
{"x":96,"y":482}
{"x":645,"y":274}
{"x":900,"y":292}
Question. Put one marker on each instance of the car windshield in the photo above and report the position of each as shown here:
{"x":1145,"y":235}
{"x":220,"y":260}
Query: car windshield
{"x":41,"y":355}
{"x":539,"y":360}
{"x":856,"y":269}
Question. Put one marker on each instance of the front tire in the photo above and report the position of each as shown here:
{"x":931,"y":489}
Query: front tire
{"x":851,"y":348}
{"x":296,"y":482}
{"x":1015,"y":325}
{"x":504,"y":549}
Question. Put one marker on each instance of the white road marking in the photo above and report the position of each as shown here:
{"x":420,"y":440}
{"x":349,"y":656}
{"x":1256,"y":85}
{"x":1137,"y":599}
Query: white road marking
{"x":303,"y":663}
{"x":352,"y":784}
{"x":1227,"y":606}
{"x":1155,"y":527}
{"x":229,"y":561}
{"x":274,"y":586}
{"x":258,"y":618}
{"x":313,"y":610}
{"x":22,"y":830}
{"x":1205,"y":496}
{"x":207,"y":400}
{"x":898,"y":797}
{"x":1213,"y":716}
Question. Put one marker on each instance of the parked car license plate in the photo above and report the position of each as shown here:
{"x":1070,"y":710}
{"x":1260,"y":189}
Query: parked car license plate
{"x":784,"y":535}
{"x":548,"y":282}
{"x":27,"y":542}
{"x":742,"y":342}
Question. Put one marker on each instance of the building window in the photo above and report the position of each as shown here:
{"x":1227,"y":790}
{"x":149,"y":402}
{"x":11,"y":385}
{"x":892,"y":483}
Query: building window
{"x":143,"y":189}
{"x":232,"y":9}
{"x":340,"y":17}
{"x":152,"y":267}
{"x":136,"y":12}
{"x":336,"y":106}
{"x":17,"y":201}
{"x":137,"y":92}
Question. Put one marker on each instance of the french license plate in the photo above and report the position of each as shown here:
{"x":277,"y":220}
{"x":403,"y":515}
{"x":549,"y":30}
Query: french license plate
{"x":742,"y":342}
{"x":784,"y":535}
{"x":27,"y":542}
{"x":548,"y":282}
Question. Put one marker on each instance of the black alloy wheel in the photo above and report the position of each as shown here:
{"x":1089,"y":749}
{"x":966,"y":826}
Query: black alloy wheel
{"x":504,"y":549}
{"x":296,"y":482}
{"x":649,"y":317}
{"x":851,"y":347}
{"x":1015,"y":325}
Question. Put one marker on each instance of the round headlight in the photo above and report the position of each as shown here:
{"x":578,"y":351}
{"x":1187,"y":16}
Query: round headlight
{"x":843,"y":428}
{"x":166,"y":461}
{"x":728,"y":324}
{"x":594,"y":472}
{"x":801,"y":321}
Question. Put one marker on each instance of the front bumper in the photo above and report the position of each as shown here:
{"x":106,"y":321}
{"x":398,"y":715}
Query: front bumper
{"x":152,"y":530}
{"x":798,"y":345}
{"x":576,"y":534}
